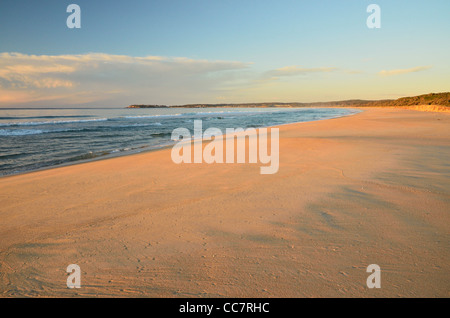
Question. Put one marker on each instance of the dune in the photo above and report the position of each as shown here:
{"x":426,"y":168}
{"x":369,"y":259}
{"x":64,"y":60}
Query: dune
{"x":372,"y":188}
{"x":429,"y":108}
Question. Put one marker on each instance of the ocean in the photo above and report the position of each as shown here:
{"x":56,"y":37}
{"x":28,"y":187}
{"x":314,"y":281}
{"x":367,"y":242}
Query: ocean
{"x":32,"y":139}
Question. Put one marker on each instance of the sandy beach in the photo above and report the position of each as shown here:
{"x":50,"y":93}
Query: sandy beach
{"x":371,"y":188}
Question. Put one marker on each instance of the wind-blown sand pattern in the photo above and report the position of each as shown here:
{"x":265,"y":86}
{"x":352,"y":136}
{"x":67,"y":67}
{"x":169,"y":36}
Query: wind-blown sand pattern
{"x":372,"y":188}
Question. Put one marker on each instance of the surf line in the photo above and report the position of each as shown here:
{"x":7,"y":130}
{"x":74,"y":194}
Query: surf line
{"x":234,"y":142}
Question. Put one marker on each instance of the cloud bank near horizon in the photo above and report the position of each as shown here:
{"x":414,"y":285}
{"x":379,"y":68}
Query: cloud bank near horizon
{"x":99,"y":77}
{"x":102,"y":80}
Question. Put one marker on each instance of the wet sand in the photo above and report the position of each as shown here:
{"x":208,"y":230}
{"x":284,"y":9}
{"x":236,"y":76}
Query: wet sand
{"x":372,"y":188}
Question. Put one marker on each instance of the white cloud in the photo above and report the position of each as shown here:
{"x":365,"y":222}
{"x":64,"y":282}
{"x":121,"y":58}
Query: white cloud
{"x":404,"y":71}
{"x":150,"y":79}
{"x":297,"y":70}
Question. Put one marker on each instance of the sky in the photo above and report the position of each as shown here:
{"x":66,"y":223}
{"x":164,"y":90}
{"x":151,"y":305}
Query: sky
{"x":219,"y":51}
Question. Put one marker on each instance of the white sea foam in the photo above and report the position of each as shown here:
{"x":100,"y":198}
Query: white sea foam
{"x":20,"y":132}
{"x":54,"y":122}
{"x":151,"y":116}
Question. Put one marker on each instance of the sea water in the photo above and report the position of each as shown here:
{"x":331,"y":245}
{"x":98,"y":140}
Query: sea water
{"x":32,"y":139}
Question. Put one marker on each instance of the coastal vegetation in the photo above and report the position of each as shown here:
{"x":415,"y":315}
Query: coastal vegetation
{"x":435,"y":99}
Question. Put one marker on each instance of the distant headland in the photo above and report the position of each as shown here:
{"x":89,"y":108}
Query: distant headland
{"x":438,"y":99}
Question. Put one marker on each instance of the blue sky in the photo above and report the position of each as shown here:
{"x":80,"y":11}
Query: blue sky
{"x":220,"y":51}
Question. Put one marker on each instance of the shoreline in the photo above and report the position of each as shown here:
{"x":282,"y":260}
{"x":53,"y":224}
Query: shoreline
{"x":157,"y":148}
{"x":357,"y":190}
